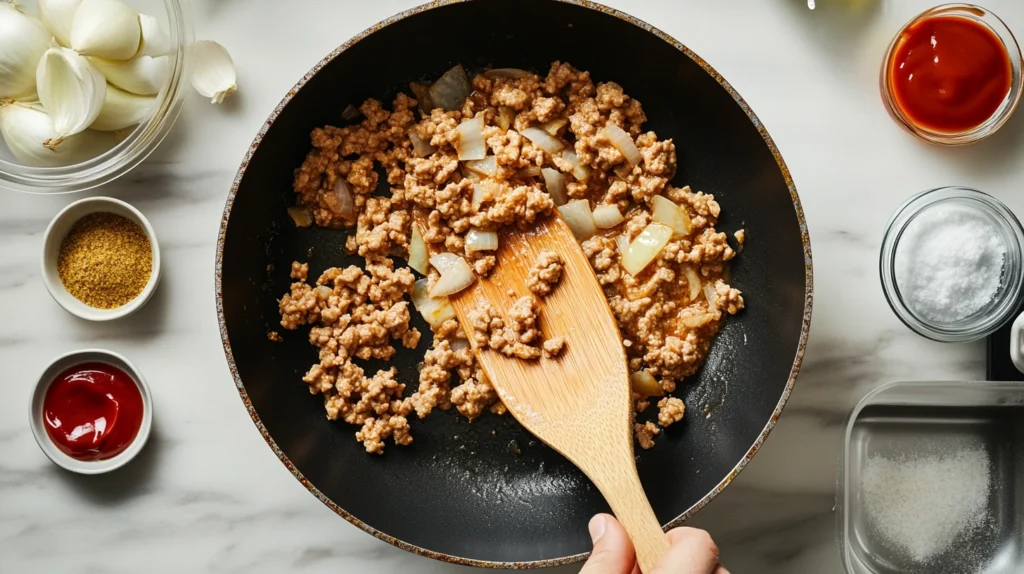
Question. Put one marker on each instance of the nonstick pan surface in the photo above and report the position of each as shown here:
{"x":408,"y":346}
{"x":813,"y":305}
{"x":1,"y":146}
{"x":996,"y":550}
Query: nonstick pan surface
{"x":486,"y":493}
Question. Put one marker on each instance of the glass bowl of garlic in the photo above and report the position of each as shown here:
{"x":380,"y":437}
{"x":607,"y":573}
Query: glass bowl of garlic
{"x":88,"y":88}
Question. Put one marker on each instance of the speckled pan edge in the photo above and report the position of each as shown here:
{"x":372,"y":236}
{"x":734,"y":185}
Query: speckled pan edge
{"x":797,"y":360}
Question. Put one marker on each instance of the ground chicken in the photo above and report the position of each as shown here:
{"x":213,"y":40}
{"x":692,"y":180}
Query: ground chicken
{"x":645,"y":434}
{"x":553,"y":347}
{"x":545,"y":274}
{"x":395,"y":172}
{"x":520,"y":336}
{"x":670,"y":411}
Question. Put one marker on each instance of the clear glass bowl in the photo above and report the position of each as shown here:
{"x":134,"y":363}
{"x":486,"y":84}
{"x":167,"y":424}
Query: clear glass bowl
{"x":998,"y":118}
{"x":140,"y":142}
{"x":1006,"y":301}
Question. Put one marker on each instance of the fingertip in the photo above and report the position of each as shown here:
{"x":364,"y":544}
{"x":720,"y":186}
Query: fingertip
{"x":598,"y":526}
{"x":613,"y":552}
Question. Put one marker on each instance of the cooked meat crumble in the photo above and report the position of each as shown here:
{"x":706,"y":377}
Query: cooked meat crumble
{"x":545,"y":274}
{"x":528,"y":144}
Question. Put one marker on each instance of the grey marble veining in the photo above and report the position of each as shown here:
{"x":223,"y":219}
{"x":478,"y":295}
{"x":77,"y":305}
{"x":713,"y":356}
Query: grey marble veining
{"x":208,"y":496}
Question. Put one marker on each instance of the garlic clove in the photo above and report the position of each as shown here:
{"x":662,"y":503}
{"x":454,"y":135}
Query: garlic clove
{"x":123,"y":109}
{"x":106,"y":29}
{"x":144,"y":75}
{"x":155,"y":40}
{"x":57,"y":15}
{"x":25,"y":129}
{"x":214,"y":72}
{"x":23,"y":40}
{"x":71,"y":90}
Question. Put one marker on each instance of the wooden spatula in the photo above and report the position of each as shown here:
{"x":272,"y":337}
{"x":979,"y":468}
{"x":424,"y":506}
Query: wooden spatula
{"x":579,"y":403}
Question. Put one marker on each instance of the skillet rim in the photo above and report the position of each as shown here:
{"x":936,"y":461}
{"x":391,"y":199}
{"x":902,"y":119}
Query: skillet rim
{"x":516,"y":565}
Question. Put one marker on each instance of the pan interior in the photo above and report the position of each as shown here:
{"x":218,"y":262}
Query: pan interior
{"x":487,"y":491}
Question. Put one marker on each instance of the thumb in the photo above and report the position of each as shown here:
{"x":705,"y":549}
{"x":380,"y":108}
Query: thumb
{"x":613,"y":552}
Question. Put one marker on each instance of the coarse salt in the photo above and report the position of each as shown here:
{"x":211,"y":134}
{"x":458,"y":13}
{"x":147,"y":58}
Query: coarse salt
{"x":922,"y":504}
{"x":949,"y":262}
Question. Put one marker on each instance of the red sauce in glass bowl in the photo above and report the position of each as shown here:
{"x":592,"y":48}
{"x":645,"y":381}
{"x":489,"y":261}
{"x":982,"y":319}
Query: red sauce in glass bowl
{"x":92,"y":411}
{"x":949,"y":73}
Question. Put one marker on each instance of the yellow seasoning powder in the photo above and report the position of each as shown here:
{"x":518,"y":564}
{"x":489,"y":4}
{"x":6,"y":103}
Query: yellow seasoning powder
{"x":105,"y":260}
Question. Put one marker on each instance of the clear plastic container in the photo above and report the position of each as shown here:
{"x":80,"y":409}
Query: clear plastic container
{"x":902,"y":420}
{"x":137,"y":145}
{"x":1007,"y":299}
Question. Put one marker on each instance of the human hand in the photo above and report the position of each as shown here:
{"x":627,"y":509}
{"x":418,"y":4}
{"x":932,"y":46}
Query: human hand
{"x":691,"y":551}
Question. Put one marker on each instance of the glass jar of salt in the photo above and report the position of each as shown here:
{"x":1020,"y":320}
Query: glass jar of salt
{"x":951,"y":264}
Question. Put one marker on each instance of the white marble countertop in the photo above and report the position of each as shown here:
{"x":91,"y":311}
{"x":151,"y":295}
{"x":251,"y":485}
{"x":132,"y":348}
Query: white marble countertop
{"x":207,"y":495}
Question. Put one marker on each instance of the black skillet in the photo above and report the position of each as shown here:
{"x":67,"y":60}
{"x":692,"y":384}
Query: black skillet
{"x":486,"y":493}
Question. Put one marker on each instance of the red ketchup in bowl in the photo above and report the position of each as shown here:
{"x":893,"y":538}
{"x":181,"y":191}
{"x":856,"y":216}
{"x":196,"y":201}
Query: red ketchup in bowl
{"x":949,"y":74}
{"x":92,"y":411}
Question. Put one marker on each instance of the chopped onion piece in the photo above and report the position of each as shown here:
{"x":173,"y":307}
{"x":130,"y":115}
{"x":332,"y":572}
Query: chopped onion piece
{"x":346,"y":204}
{"x":459,"y":344}
{"x":479,"y":240}
{"x":350,"y":113}
{"x":479,"y":195}
{"x":622,"y":142}
{"x":506,"y":117}
{"x":543,"y":140}
{"x":486,"y":167}
{"x":645,"y":384}
{"x":579,"y":171}
{"x":622,"y":243}
{"x":470,"y":143}
{"x":532,"y":171}
{"x":420,"y":145}
{"x":577,"y":214}
{"x":515,"y":73}
{"x":418,"y":256}
{"x":607,"y":216}
{"x":646,"y":247}
{"x":422,"y":93}
{"x":444,"y":261}
{"x":450,"y":90}
{"x":555,"y":182}
{"x":456,"y":274}
{"x":696,"y":320}
{"x":434,"y":311}
{"x":554,"y":125}
{"x":419,"y":89}
{"x":301,"y":216}
{"x":711,"y":295}
{"x":693,"y":280}
{"x":471,"y":175}
{"x":664,"y":210}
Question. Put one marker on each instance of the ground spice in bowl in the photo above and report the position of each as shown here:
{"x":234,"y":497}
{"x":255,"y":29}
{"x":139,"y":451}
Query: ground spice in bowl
{"x":105,"y":261}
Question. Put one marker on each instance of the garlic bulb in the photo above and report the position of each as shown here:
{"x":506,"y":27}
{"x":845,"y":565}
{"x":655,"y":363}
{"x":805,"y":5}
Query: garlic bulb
{"x":22,"y":43}
{"x":122,"y":109}
{"x":106,"y":29}
{"x":58,"y":15}
{"x":214,"y":73}
{"x":25,"y":129}
{"x":144,"y":75}
{"x":71,"y":90}
{"x":155,"y":40}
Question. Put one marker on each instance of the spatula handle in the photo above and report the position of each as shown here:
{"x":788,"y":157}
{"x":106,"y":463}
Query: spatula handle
{"x":620,"y":485}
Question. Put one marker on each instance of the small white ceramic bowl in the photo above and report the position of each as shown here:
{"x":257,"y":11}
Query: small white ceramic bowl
{"x":35,"y":411}
{"x":58,"y":229}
